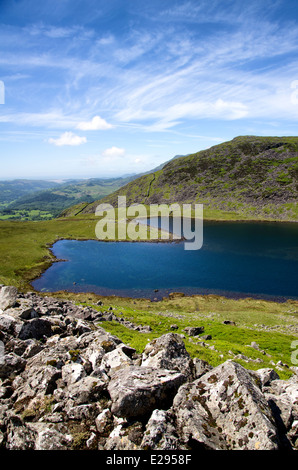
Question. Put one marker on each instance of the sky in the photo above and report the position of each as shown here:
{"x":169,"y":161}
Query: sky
{"x":93,"y":88}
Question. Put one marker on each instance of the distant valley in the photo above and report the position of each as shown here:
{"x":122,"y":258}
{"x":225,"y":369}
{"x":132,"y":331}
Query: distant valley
{"x":22,"y":199}
{"x":37,"y":200}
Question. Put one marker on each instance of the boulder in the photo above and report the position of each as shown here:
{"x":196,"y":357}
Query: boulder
{"x":82,"y":327}
{"x":72,"y":373}
{"x":10,"y":324}
{"x":125,"y":436}
{"x":103,"y":422}
{"x":201,"y":367}
{"x":168,"y":352}
{"x":50,"y":436}
{"x":87,"y":390}
{"x":265,"y":376}
{"x":20,"y":437}
{"x":82,"y":412}
{"x":225,"y":409}
{"x":11,"y":364}
{"x":136,"y":391}
{"x":282,"y":396}
{"x":194,"y":330}
{"x":43,"y":380}
{"x":8,"y":297}
{"x":36,"y":328}
{"x":114,"y":360}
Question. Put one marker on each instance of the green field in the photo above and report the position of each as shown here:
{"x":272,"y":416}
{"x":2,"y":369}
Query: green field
{"x":34,"y":214}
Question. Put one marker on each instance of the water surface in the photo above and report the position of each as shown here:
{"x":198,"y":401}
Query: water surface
{"x":236,"y":260}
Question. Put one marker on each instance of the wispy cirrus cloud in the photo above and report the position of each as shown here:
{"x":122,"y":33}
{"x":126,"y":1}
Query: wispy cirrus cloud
{"x":200,"y":70}
{"x":158,"y":78}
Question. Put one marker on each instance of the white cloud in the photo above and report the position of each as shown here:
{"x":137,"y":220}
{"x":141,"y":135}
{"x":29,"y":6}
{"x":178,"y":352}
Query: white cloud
{"x":113,"y":152}
{"x":96,"y":123}
{"x":68,"y":138}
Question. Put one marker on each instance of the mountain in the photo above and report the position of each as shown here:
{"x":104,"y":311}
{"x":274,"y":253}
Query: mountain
{"x":248,"y":177}
{"x":159,"y":167}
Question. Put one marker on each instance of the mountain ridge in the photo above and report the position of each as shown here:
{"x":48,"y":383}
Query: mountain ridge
{"x":255,"y":177}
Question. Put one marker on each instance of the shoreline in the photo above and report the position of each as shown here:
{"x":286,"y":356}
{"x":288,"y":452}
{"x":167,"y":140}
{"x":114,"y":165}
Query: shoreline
{"x":174,"y":294}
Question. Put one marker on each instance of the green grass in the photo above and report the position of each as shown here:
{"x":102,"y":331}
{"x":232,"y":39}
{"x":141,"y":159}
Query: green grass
{"x":24,"y":246}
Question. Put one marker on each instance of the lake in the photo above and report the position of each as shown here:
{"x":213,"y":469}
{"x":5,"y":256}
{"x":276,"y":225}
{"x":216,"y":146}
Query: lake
{"x":237,"y":259}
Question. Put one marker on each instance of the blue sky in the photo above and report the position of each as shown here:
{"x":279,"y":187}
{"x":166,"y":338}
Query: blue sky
{"x":104,"y":88}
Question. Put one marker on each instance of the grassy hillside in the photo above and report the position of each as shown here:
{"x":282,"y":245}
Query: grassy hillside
{"x":246,"y":178}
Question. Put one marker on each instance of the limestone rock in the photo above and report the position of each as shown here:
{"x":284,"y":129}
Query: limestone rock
{"x":36,"y":328}
{"x":282,"y":396}
{"x":87,"y":390}
{"x":115,"y":360}
{"x":50,"y":436}
{"x":103,"y":422}
{"x":72,"y":373}
{"x":11,"y":364}
{"x":168,"y":352}
{"x":266,"y":376}
{"x":20,"y":437}
{"x":137,"y":391}
{"x":10,"y":324}
{"x":194,"y":331}
{"x":225,"y":409}
{"x":160,"y":432}
{"x":125,"y":436}
{"x":201,"y":367}
{"x":8,"y":297}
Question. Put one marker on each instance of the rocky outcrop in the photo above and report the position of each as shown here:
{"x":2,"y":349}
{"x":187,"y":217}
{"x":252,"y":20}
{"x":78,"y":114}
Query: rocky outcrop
{"x":66,"y":383}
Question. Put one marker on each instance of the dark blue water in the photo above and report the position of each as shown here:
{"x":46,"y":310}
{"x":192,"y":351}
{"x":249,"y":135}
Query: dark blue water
{"x":237,"y":260}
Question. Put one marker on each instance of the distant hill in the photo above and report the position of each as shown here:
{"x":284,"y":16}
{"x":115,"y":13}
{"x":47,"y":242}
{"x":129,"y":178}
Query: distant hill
{"x":12,"y":190}
{"x":254,"y":177}
{"x":35,"y":200}
{"x":50,"y":202}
